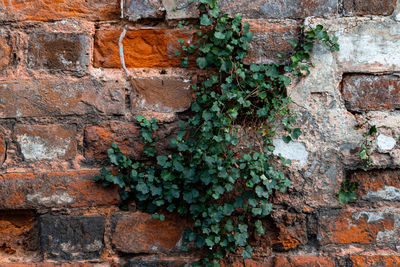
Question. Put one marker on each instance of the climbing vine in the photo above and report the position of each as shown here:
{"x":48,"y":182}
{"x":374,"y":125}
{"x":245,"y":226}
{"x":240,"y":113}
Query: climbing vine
{"x":216,"y":179}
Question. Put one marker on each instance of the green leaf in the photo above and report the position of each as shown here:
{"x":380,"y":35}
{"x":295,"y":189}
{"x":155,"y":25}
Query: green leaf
{"x":259,"y":228}
{"x":296,"y":133}
{"x":219,"y":35}
{"x":201,"y":62}
{"x":205,"y":20}
{"x":248,"y":252}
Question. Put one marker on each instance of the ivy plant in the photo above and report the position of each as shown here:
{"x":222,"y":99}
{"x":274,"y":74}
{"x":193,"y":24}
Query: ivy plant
{"x":222,"y":185}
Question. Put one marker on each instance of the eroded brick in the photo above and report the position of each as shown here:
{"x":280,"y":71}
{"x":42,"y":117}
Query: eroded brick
{"x":71,"y":237}
{"x":42,"y":10}
{"x":59,"y":97}
{"x":5,"y":50}
{"x":46,"y":142}
{"x":347,"y":227}
{"x":54,"y":189}
{"x":378,"y":185}
{"x":3,"y":148}
{"x":375,"y":261}
{"x":142,"y":48}
{"x":266,"y":9}
{"x":300,"y":261}
{"x":59,"y":51}
{"x":369,"y":7}
{"x":270,"y":39}
{"x":143,"y":9}
{"x":292,"y":231}
{"x":98,"y":139}
{"x":170,"y":94}
{"x":371,"y":92}
{"x":139,"y":233}
{"x":18,"y":232}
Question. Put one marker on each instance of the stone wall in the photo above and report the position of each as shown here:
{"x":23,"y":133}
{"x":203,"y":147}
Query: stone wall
{"x":64,"y":98}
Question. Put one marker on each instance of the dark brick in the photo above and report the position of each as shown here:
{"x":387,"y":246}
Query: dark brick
{"x":369,"y":7}
{"x":370,"y":92}
{"x":72,"y":237}
{"x":270,"y":39}
{"x":158,"y":262}
{"x":265,"y":9}
{"x":59,"y":51}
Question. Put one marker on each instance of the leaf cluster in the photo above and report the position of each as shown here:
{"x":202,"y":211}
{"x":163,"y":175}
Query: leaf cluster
{"x":222,"y":185}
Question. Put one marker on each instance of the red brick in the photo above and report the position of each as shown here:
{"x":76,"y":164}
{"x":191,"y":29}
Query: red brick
{"x":160,"y":261}
{"x":375,"y":261}
{"x":292,"y":231}
{"x":42,"y":10}
{"x":169,"y":94}
{"x":142,"y":48}
{"x":17,"y":232}
{"x":347,"y":227}
{"x":99,"y":138}
{"x":378,"y":184}
{"x":369,"y":92}
{"x":54,"y":189}
{"x":270,"y":39}
{"x":369,"y":7}
{"x":304,"y":261}
{"x":46,"y":142}
{"x":59,"y":51}
{"x":267,"y":9}
{"x":59,"y":97}
{"x":139,"y":233}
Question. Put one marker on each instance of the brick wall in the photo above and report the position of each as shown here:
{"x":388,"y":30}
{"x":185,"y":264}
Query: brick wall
{"x":64,"y":98}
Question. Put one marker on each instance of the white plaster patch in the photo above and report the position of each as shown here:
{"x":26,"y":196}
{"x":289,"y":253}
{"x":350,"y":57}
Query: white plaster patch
{"x":95,"y":246}
{"x":372,"y":216}
{"x":59,"y":198}
{"x":385,"y":143}
{"x":389,"y":193}
{"x":294,"y":151}
{"x":37,"y":148}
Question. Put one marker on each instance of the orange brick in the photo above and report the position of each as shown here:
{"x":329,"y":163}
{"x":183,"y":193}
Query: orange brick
{"x":43,"y":10}
{"x":54,"y":189}
{"x":142,"y":48}
{"x":139,"y":233}
{"x":304,"y":261}
{"x":375,"y":261}
{"x":351,"y":227}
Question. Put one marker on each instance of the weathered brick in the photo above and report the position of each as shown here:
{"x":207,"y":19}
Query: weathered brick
{"x":139,"y":233}
{"x":181,"y":9}
{"x":169,"y":94}
{"x":59,"y":51}
{"x":292,"y":231}
{"x":41,"y":10}
{"x":142,"y":48}
{"x":46,"y":142}
{"x":366,"y":45}
{"x":59,"y":97}
{"x":3,"y":148}
{"x":54,"y":189}
{"x":345,"y":227}
{"x":375,"y":261}
{"x":99,"y":138}
{"x":18,"y":231}
{"x":143,"y":9}
{"x":71,"y":237}
{"x":5,"y":50}
{"x":378,"y":185}
{"x":369,"y":7}
{"x":159,"y":261}
{"x":266,"y":9}
{"x":370,"y":92}
{"x":304,"y":261}
{"x":270,"y":39}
